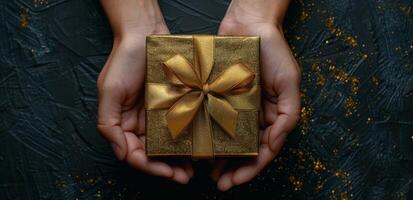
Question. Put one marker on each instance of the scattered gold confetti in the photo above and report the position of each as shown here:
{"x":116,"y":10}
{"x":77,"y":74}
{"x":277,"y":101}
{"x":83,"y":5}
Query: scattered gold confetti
{"x":321,"y":80}
{"x":338,"y":74}
{"x":296,"y":183}
{"x":354,"y":85}
{"x":304,"y":15}
{"x":40,"y":2}
{"x":341,"y":174}
{"x":23,"y":15}
{"x":333,"y":195}
{"x":406,"y":9}
{"x":330,"y":22}
{"x":305,"y":118}
{"x":369,"y":120}
{"x":400,"y":195}
{"x":318,"y":166}
{"x":319,"y":185}
{"x":344,"y":196}
{"x":375,"y":80}
{"x":351,"y":40}
{"x":350,"y":105}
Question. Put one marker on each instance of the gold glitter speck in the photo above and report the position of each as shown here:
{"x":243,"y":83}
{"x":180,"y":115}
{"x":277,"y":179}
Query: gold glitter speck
{"x":305,"y":118}
{"x":330,"y":23}
{"x":351,"y":40}
{"x":354,"y":85}
{"x":296,"y":183}
{"x":319,"y":166}
{"x":40,"y":2}
{"x":344,"y":196}
{"x":350,"y":105}
{"x":406,"y":9}
{"x":341,"y":174}
{"x":321,"y":80}
{"x":23,"y":15}
{"x":375,"y":81}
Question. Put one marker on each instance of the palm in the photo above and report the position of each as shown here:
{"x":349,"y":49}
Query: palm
{"x":280,"y":80}
{"x":121,"y":112}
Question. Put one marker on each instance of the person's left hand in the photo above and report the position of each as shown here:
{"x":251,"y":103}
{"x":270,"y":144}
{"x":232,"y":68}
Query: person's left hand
{"x":281,"y":97}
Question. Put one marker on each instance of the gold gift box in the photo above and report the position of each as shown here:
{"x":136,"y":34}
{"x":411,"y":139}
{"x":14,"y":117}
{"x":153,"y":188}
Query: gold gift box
{"x":222,"y":52}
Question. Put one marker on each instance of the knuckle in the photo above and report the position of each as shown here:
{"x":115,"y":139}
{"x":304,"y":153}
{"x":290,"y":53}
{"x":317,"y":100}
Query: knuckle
{"x":102,"y":127}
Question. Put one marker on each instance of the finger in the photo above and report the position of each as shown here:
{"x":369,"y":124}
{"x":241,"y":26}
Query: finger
{"x":218,"y":168}
{"x":183,"y":171}
{"x":138,"y":159}
{"x":141,"y":121}
{"x":271,"y":115}
{"x":180,"y":175}
{"x":188,"y":169}
{"x":288,"y":108}
{"x":225,"y":181}
{"x":130,"y":119}
{"x":109,"y":119}
{"x":251,"y":169}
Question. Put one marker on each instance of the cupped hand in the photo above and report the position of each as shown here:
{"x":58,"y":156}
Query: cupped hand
{"x":280,"y":75}
{"x":121,"y":111}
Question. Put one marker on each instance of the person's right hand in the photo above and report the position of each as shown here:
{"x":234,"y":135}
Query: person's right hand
{"x":120,"y":84}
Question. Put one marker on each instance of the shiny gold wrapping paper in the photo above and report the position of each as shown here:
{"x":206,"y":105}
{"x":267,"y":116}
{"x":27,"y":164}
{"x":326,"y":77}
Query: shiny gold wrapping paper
{"x":228,"y":50}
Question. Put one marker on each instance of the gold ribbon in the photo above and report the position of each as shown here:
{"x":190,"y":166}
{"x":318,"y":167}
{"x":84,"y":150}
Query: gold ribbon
{"x":190,"y":98}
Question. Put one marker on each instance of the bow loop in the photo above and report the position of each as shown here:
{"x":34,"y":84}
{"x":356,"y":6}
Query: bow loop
{"x":181,"y":73}
{"x":235,"y":77}
{"x":182,"y":112}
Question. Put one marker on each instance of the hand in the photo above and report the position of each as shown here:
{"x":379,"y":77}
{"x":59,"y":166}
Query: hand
{"x":280,"y":81}
{"x":121,"y":113}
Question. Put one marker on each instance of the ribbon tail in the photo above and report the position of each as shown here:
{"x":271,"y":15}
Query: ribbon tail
{"x":182,"y":112}
{"x":223,"y":113}
{"x":202,"y":142}
{"x":160,"y":96}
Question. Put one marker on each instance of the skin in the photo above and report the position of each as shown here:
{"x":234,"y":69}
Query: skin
{"x":120,"y":85}
{"x":280,"y":83}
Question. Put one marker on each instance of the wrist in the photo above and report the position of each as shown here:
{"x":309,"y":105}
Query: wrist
{"x":132,"y":34}
{"x":263,"y":29}
{"x":247,"y":12}
{"x":131,"y":18}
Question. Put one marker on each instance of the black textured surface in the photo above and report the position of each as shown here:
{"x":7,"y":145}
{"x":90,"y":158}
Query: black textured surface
{"x":355,"y":140}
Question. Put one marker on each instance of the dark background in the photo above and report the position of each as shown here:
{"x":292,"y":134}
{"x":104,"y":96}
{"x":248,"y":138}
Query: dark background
{"x":355,"y":139}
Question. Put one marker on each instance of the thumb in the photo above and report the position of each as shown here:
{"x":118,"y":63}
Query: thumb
{"x":288,"y":109}
{"x":109,"y":119}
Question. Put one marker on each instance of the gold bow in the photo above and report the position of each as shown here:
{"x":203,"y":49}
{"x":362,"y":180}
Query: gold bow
{"x":190,"y":90}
